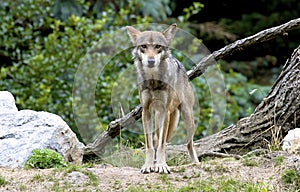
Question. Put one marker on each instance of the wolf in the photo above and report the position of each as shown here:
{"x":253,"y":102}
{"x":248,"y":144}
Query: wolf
{"x":164,"y":92}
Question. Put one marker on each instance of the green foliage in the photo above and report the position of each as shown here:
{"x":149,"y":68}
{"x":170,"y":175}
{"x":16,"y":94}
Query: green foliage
{"x":44,"y":159}
{"x":158,"y":10}
{"x":269,"y":14}
{"x":64,"y":9}
{"x":23,"y":23}
{"x":44,"y":43}
{"x":245,"y":26}
{"x":242,"y":96}
{"x":195,"y":8}
{"x":44,"y":54}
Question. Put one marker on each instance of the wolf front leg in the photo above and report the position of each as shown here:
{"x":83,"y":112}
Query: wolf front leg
{"x":163,"y":119}
{"x":150,"y":152}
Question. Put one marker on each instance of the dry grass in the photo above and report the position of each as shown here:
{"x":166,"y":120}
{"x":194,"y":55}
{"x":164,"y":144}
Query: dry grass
{"x":257,"y":173}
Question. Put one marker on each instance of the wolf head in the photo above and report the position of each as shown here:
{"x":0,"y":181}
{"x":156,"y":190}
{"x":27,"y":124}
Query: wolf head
{"x":151,"y":47}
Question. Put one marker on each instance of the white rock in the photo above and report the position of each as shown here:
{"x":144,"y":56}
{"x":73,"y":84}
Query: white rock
{"x":26,"y":130}
{"x":7,"y":103}
{"x":291,"y":142}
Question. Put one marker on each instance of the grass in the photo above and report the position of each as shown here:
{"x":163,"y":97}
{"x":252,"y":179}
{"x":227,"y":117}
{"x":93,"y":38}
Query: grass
{"x":126,"y":157}
{"x":93,"y":179}
{"x":250,"y":162}
{"x":179,"y":170}
{"x":279,"y":160}
{"x":221,"y":168}
{"x":276,"y":138}
{"x":58,"y":185}
{"x":209,"y":185}
{"x":3,"y":181}
{"x":292,"y":178}
{"x":37,"y":177}
{"x":177,"y":160}
{"x":22,"y":187}
{"x":210,"y":176}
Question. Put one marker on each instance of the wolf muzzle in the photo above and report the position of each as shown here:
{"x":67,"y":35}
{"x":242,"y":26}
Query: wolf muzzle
{"x":151,"y":62}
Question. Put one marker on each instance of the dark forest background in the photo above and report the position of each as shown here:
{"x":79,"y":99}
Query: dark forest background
{"x":43,"y":42}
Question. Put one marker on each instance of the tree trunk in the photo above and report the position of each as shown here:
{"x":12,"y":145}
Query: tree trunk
{"x":214,"y":142}
{"x":278,"y":113}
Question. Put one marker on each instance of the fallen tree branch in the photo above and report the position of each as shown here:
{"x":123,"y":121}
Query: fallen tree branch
{"x":115,"y":126}
{"x":265,"y":128}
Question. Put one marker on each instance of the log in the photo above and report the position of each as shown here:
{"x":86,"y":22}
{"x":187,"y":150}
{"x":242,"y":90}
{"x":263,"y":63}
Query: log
{"x":114,"y":127}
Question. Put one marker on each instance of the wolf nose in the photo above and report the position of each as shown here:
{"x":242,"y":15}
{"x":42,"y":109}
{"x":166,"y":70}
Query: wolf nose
{"x":151,"y":62}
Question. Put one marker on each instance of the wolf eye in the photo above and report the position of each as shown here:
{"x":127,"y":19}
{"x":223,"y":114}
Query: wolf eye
{"x":144,"y":46}
{"x":157,"y":46}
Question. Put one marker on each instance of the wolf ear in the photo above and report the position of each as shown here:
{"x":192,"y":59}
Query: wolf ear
{"x":170,"y":32}
{"x":133,"y":33}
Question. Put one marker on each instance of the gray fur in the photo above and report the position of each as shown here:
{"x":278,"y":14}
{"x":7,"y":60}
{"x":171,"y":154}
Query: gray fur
{"x":163,"y":88}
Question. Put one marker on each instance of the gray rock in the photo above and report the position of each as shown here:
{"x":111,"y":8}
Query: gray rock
{"x":26,"y":130}
{"x":291,"y":142}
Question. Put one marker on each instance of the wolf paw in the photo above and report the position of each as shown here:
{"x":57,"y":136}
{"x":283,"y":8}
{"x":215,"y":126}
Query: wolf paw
{"x":162,"y":168}
{"x":147,"y":169}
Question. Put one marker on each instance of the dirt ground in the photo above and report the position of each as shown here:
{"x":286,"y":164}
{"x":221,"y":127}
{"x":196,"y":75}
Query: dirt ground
{"x":265,"y":170}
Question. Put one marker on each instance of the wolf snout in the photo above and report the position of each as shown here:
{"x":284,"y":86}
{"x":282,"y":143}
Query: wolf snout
{"x":151,"y":62}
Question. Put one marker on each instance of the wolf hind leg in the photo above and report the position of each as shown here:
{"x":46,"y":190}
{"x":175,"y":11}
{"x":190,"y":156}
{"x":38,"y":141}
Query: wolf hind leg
{"x":188,"y":117}
{"x":174,"y":119}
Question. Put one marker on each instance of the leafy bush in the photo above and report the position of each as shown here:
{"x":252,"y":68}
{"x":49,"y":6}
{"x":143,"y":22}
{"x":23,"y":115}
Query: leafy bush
{"x":43,"y":55}
{"x":45,"y":159}
{"x":242,"y":96}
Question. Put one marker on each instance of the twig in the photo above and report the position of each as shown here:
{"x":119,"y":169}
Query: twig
{"x":217,"y":154}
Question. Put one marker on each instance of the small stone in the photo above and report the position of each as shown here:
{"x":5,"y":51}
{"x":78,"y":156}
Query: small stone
{"x":77,"y":178}
{"x":291,"y":142}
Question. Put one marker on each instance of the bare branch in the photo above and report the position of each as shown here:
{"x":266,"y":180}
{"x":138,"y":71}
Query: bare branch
{"x":240,"y":45}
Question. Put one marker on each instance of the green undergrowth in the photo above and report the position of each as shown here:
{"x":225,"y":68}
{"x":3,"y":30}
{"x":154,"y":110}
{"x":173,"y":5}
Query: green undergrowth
{"x":209,"y":185}
{"x":44,"y":159}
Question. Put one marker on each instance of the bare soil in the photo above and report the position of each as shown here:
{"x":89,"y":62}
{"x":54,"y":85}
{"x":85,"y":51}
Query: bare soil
{"x":265,"y":169}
